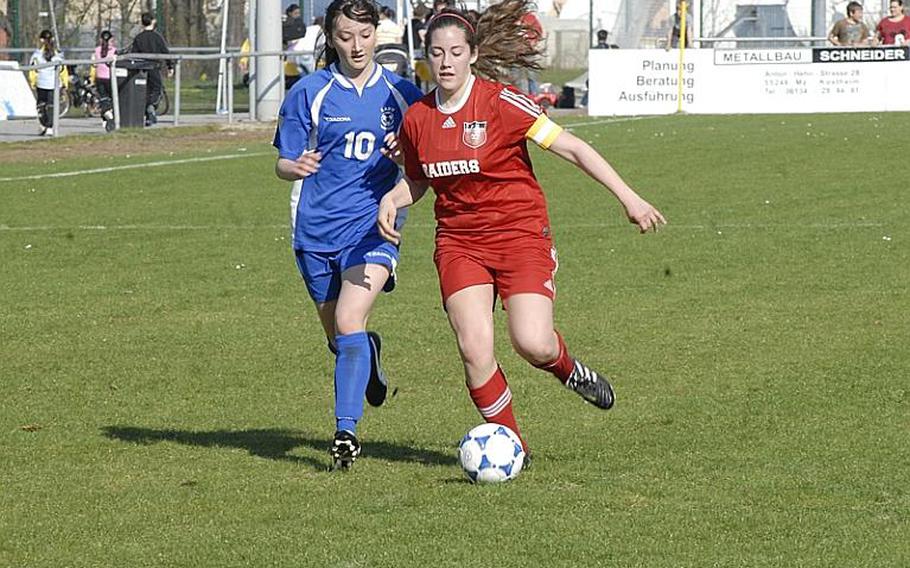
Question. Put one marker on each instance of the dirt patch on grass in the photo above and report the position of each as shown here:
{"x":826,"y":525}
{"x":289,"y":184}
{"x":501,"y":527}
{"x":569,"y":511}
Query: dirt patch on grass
{"x":142,"y":142}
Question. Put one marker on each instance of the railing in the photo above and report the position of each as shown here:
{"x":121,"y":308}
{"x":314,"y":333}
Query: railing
{"x":710,"y":41}
{"x":25,"y":51}
{"x":177,"y":58}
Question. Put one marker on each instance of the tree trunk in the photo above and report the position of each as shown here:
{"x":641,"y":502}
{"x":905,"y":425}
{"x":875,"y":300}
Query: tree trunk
{"x":186,"y":26}
{"x":128,"y":21}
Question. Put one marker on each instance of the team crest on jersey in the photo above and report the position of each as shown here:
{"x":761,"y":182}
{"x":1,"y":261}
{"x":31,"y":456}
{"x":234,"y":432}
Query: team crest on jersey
{"x":475,"y":133}
{"x":387,"y":117}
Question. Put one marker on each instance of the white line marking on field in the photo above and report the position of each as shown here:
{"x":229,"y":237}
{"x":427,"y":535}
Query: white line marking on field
{"x":857,"y":225}
{"x":605,"y":121}
{"x":136,"y":166}
{"x":683,"y":227}
{"x":145,"y":228}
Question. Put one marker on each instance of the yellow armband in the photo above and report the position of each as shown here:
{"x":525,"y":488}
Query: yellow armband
{"x":543,"y":132}
{"x":33,"y":78}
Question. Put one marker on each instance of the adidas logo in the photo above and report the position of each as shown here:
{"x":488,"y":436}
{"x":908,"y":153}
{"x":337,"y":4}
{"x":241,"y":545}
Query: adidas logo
{"x":449,"y":123}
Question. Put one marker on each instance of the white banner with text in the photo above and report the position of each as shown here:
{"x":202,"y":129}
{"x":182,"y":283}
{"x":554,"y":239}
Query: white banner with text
{"x":731,"y":81}
{"x":16,"y":98}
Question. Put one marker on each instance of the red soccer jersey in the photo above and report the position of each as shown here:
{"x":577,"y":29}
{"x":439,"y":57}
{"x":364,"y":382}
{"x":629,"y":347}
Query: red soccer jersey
{"x":476,"y":158}
{"x":894,"y":32}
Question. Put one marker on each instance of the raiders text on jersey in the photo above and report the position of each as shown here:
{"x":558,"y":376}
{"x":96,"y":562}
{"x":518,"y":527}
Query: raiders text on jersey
{"x":451,"y":168}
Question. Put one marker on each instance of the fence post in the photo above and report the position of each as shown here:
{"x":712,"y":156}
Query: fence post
{"x":56,"y":114}
{"x":177,"y":75}
{"x":251,"y":86}
{"x":251,"y":61}
{"x":282,"y":79}
{"x":115,"y":94}
{"x":229,"y":94}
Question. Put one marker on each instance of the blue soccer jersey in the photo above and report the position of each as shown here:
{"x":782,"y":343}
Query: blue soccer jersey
{"x":337,"y":206}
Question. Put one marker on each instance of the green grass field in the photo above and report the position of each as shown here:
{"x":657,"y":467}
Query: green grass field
{"x":166,"y":390}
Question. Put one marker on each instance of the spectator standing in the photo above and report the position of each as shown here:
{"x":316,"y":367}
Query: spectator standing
{"x":602,"y":40}
{"x":388,"y":31}
{"x":150,"y":41}
{"x":101,"y":72}
{"x":894,"y":29}
{"x":42,"y":80}
{"x":675,"y":30}
{"x":292,"y":37}
{"x":851,"y":31}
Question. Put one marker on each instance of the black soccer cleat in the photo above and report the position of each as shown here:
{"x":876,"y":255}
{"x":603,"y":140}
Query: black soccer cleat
{"x":344,"y":450}
{"x":378,"y":385}
{"x":592,"y":387}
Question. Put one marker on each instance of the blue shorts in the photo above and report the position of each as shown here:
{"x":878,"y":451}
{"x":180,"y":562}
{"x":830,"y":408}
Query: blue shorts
{"x":322,"y":271}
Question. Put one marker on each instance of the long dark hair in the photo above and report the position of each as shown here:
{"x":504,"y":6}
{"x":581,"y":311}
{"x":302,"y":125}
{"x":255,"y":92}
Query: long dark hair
{"x":47,"y":44}
{"x":499,"y":36}
{"x":106,"y":36}
{"x":363,"y":11}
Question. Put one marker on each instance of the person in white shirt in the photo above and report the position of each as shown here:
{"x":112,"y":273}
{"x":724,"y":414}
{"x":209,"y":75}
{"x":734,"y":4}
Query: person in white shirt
{"x":388,"y":31}
{"x":311,"y":45}
{"x":42,"y":80}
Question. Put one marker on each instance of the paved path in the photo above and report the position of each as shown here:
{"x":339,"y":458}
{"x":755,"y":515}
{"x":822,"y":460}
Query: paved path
{"x":24,"y":130}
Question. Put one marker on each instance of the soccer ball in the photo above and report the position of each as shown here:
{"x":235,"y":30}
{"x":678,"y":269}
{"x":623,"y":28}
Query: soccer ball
{"x":491,"y":453}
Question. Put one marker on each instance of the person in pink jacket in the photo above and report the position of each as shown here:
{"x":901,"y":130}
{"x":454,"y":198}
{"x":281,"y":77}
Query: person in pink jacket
{"x":101,"y":74}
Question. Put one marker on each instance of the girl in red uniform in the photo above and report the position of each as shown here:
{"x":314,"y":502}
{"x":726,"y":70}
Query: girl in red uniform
{"x":468,"y":139}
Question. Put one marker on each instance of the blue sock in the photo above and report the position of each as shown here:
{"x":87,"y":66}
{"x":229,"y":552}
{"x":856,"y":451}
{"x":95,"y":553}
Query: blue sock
{"x":352,"y":372}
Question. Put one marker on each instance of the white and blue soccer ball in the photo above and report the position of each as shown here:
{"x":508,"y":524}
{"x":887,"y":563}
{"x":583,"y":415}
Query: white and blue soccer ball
{"x":491,"y":453}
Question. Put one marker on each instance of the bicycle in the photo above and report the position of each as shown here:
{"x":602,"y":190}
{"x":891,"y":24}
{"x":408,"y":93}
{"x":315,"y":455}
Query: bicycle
{"x":85,"y":95}
{"x":64,"y":101}
{"x":163,"y":106}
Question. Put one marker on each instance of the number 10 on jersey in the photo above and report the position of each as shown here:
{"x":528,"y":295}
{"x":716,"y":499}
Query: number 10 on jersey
{"x":359,"y":145}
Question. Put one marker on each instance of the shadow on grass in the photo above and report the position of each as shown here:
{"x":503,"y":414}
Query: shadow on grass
{"x":275,"y":444}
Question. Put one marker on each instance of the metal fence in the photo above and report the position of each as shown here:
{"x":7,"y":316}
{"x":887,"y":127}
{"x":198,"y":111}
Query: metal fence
{"x":21,"y":54}
{"x":567,"y":49}
{"x":178,"y":59}
{"x":740,"y":23}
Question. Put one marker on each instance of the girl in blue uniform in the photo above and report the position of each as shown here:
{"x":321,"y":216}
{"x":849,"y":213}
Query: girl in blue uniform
{"x":332,"y":131}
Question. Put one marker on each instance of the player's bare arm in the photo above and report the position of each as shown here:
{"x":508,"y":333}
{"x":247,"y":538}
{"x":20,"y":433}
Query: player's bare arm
{"x":293,"y":170}
{"x":582,"y":155}
{"x":405,"y":193}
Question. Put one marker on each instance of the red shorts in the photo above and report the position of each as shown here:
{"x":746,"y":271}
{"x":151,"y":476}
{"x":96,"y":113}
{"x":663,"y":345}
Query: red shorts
{"x":524,"y":265}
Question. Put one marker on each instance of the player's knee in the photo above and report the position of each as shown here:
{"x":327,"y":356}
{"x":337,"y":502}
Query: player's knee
{"x":476,"y":350}
{"x":536,"y":348}
{"x":349,"y":321}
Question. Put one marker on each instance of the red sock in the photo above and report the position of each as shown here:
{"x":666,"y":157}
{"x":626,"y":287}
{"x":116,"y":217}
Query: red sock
{"x":494,"y":401}
{"x":562,"y":366}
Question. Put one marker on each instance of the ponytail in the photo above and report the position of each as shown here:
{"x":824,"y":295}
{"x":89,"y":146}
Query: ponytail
{"x":105,"y":43}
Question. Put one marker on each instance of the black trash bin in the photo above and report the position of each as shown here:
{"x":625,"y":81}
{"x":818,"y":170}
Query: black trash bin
{"x":132,"y":84}
{"x":567,"y":98}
